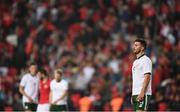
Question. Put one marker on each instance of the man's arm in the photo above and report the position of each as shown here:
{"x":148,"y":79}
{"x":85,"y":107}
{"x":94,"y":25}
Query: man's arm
{"x":21,"y":90}
{"x":50,"y":97}
{"x":144,"y":88}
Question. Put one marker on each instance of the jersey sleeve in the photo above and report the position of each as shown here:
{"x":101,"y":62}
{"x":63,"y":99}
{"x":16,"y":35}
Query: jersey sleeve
{"x":147,"y":67}
{"x":23,"y":81}
{"x":66,"y":86}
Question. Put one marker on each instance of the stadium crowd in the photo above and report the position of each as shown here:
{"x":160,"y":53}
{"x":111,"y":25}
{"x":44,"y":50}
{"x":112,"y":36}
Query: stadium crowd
{"x":91,"y":41}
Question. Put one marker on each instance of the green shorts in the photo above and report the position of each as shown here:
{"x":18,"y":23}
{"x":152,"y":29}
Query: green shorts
{"x":58,"y":108}
{"x":143,"y":105}
{"x":30,"y":106}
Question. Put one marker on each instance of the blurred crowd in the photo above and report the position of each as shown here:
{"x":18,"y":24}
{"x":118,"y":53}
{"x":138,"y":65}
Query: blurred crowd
{"x":91,"y":41}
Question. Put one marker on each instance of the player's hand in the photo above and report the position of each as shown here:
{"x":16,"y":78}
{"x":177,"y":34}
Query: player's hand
{"x":30,"y":99}
{"x":55,"y":102}
{"x":140,"y":97}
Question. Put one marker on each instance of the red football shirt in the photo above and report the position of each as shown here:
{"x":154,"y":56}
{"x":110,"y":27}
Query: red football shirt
{"x":44,"y":91}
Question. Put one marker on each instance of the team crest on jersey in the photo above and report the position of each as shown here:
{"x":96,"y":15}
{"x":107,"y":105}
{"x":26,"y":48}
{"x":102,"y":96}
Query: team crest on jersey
{"x":46,"y":86}
{"x":134,"y":68}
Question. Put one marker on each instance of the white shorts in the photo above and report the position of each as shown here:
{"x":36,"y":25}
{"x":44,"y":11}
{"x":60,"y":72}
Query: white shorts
{"x":43,"y":107}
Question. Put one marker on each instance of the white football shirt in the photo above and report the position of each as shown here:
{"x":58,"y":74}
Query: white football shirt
{"x":57,"y":89}
{"x":140,"y":67}
{"x":31,"y":86}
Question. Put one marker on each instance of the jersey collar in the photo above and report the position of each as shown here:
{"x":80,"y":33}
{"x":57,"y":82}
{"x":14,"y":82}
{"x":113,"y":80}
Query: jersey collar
{"x":140,"y":56}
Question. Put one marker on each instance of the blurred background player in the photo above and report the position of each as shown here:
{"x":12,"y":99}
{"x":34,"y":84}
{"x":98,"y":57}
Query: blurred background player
{"x":141,"y":71}
{"x":58,"y":94}
{"x":44,"y":87}
{"x":29,"y":86}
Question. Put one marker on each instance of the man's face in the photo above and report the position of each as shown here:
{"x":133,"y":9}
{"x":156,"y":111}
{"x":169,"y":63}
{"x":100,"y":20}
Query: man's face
{"x":33,"y":69}
{"x":41,"y":75}
{"x":137,"y":48}
{"x":57,"y":76}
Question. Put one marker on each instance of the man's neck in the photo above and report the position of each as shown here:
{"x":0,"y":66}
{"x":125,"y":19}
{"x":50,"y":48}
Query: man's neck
{"x":58,"y":80}
{"x":33,"y":74}
{"x":45,"y":79}
{"x":139,"y":55}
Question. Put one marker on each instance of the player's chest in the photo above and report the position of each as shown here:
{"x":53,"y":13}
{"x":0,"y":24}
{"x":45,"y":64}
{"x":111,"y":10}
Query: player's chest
{"x":32,"y":82}
{"x":57,"y":87}
{"x":137,"y":67}
{"x":44,"y":86}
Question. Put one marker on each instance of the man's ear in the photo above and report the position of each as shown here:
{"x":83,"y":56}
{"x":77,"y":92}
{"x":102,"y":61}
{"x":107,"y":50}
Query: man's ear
{"x":142,"y":49}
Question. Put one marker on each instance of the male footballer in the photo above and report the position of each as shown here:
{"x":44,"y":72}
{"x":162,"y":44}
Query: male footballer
{"x":141,"y":76}
{"x":29,"y":88}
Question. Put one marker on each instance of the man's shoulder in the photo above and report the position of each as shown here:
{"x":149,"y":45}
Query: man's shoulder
{"x":49,"y":81}
{"x":64,"y":81}
{"x":26,"y":75}
{"x":146,"y":59}
{"x":52,"y":81}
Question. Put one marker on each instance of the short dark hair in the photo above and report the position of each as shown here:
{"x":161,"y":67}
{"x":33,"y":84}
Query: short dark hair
{"x":43,"y":71}
{"x":142,"y":41}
